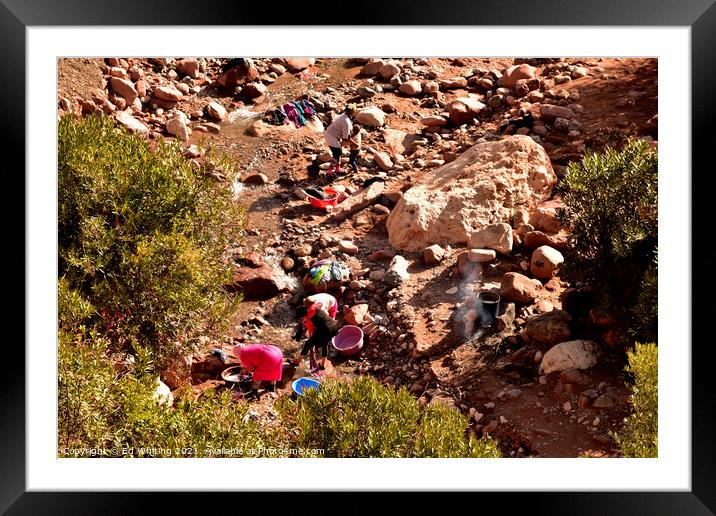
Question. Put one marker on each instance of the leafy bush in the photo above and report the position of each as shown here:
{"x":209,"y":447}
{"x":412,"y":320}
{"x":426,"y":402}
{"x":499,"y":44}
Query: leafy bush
{"x":363,"y":418}
{"x":639,"y":436}
{"x":101,"y":409}
{"x":611,"y":214}
{"x":141,"y":237}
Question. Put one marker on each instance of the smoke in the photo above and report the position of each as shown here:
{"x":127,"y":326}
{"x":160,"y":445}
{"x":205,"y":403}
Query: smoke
{"x":466,"y":313}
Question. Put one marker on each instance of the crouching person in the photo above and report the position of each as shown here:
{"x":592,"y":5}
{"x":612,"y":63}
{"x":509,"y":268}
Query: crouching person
{"x":265,"y":361}
{"x":321,"y":328}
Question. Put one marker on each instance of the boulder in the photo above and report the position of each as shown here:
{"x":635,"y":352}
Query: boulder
{"x":256,"y":283}
{"x":544,"y":218}
{"x":237,"y":75}
{"x":549,"y":328}
{"x":515,"y":73}
{"x":397,"y":271}
{"x":433,"y":254}
{"x":124,"y":88}
{"x":399,"y":141}
{"x":434,"y":121}
{"x":254,"y":90}
{"x":347,"y":247}
{"x":464,"y":109}
{"x":454,"y":83}
{"x":357,"y":315}
{"x":177,"y":127}
{"x":216,"y":111}
{"x":370,"y":116}
{"x":549,"y":112}
{"x":410,"y":87}
{"x":382,"y":159}
{"x":373,"y":66}
{"x":296,"y":64}
{"x":169,"y":93}
{"x":389,"y":69}
{"x":357,"y":201}
{"x":573,"y":354}
{"x":545,"y":262}
{"x":188,"y":67}
{"x":519,"y":288}
{"x":495,"y":236}
{"x":255,"y":178}
{"x":481,"y":255}
{"x":131,"y":123}
{"x":534,"y":239}
{"x":475,"y":190}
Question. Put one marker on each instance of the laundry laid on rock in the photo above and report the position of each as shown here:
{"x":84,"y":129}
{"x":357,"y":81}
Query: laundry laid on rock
{"x":297,"y":112}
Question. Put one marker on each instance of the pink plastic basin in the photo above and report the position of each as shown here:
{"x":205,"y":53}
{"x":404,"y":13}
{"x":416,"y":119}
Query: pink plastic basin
{"x":349,"y":340}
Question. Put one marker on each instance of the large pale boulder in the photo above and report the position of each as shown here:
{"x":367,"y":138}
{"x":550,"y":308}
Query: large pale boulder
{"x":573,"y":354}
{"x":371,"y":116}
{"x":399,"y":141}
{"x":410,"y":87}
{"x":188,"y":67}
{"x":389,"y":69}
{"x":477,"y":189}
{"x":373,"y":66}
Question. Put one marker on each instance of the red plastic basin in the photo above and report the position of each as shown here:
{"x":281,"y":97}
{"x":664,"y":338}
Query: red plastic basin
{"x":335,"y":198}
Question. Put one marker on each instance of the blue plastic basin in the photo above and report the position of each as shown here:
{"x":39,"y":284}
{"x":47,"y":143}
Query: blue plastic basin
{"x":300,"y":385}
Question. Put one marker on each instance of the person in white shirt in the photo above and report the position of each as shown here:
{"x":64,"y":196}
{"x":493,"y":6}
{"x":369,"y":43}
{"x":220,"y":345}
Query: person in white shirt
{"x":339,"y":131}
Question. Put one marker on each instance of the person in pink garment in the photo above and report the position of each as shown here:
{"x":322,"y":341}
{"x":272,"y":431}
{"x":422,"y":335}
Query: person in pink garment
{"x":265,"y":361}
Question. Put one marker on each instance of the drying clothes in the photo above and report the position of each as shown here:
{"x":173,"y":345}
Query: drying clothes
{"x":292,"y":114}
{"x":308,"y":107}
{"x":276,"y":116}
{"x":301,"y":114}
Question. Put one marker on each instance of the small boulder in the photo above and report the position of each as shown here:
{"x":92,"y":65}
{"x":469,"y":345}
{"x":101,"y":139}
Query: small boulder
{"x":515,"y":73}
{"x":357,"y":315}
{"x":481,"y":255}
{"x":131,"y":123}
{"x":216,"y":111}
{"x":389,"y":69}
{"x":464,"y":109}
{"x":573,"y":354}
{"x":177,"y":127}
{"x":297,"y":64}
{"x":256,"y":283}
{"x":410,"y":88}
{"x":124,"y":88}
{"x":545,"y":262}
{"x":169,"y":93}
{"x":188,"y":67}
{"x":549,"y":328}
{"x":255,"y":178}
{"x":370,"y":116}
{"x":347,"y":247}
{"x":549,"y":112}
{"x":397,"y":271}
{"x":253,"y":90}
{"x":382,"y":159}
{"x":433,"y":254}
{"x":519,"y":288}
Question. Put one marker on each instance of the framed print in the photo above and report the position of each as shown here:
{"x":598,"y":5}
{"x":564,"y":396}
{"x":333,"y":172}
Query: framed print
{"x":383,"y":252}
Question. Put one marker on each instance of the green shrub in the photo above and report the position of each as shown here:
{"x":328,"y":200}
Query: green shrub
{"x":141,"y":237}
{"x":611,"y":214}
{"x":639,"y":436}
{"x":101,"y":409}
{"x":363,"y":418}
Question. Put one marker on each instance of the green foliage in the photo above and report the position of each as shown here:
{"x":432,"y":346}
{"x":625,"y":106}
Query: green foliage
{"x":639,"y":436}
{"x":611,"y":214}
{"x":102,"y":410}
{"x":363,"y":418}
{"x":141,"y":237}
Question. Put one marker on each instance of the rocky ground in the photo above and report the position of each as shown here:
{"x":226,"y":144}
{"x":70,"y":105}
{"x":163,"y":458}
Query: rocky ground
{"x":459,"y":145}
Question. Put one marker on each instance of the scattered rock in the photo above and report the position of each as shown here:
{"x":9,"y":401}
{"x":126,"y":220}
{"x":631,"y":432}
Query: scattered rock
{"x":545,"y":262}
{"x":519,"y":288}
{"x":188,"y":67}
{"x":177,"y":127}
{"x":573,"y":354}
{"x":357,"y":315}
{"x":515,"y":73}
{"x":169,"y":93}
{"x":124,"y":88}
{"x":371,"y":116}
{"x":550,"y":328}
{"x":255,"y":178}
{"x":410,"y":88}
{"x":603,"y":402}
{"x":257,"y":283}
{"x":464,"y":109}
{"x":216,"y":111}
{"x":287,"y":263}
{"x":357,"y":201}
{"x":549,"y":112}
{"x":397,"y":271}
{"x":297,"y":64}
{"x":534,"y":239}
{"x":131,"y":123}
{"x":433,"y":254}
{"x":347,"y":247}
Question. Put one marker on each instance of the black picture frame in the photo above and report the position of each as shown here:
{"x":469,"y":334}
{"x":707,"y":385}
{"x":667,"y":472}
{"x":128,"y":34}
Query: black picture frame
{"x":699,"y":15}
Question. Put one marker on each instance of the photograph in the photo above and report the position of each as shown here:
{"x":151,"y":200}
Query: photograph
{"x":357,"y":257}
